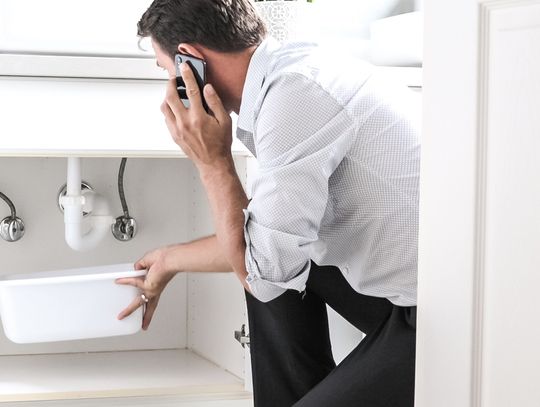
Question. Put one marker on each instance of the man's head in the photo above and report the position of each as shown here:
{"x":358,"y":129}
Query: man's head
{"x":220,"y":25}
{"x":218,"y":31}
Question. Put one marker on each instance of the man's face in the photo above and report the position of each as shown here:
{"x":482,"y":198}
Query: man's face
{"x":163,"y":60}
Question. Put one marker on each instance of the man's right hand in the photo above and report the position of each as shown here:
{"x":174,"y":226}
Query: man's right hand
{"x":162,"y":267}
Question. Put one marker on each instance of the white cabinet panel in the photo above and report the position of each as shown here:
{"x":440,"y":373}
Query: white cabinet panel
{"x":211,"y":293}
{"x":512,"y":258}
{"x":82,"y":115}
{"x":478,"y":323}
{"x":58,"y":117}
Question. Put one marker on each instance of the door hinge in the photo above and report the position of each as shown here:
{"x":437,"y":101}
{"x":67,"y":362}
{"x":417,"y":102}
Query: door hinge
{"x":242,"y":337}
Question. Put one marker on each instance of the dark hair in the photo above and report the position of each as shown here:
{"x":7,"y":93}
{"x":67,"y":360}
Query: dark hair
{"x":221,"y":25}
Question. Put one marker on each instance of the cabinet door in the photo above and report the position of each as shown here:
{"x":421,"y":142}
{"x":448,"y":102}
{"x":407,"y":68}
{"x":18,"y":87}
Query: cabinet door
{"x":478,"y":328}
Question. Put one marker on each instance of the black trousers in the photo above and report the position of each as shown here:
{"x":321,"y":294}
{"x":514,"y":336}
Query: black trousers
{"x":292,"y":358}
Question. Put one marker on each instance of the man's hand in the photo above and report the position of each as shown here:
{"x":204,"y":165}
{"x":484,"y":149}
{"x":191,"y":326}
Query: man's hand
{"x":160,"y":264}
{"x":205,"y":138}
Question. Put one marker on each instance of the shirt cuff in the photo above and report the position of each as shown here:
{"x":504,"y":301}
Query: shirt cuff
{"x":262,"y":289}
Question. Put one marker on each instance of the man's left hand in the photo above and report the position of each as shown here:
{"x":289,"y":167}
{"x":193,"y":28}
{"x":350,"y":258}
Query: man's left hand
{"x":205,"y":138}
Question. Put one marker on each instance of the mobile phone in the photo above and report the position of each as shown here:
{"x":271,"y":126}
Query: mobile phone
{"x":198,"y":66}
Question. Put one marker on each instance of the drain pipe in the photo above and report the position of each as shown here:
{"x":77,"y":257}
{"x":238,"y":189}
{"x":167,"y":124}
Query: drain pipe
{"x":83,"y":233}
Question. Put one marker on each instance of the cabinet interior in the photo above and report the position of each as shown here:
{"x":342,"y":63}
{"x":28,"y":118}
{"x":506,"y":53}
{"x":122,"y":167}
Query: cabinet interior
{"x":191,"y":339}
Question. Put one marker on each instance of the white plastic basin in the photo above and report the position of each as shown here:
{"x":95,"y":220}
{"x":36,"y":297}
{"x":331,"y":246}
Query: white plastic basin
{"x":69,"y":304}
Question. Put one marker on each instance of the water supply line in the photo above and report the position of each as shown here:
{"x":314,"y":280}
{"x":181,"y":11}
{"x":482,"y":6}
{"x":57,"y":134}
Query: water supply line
{"x":83,"y":232}
{"x":125,"y":227}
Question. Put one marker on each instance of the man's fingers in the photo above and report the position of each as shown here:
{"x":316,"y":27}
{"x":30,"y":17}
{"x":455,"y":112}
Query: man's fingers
{"x":214,"y":103}
{"x":134,"y":281}
{"x":141,"y":264}
{"x":149,"y":313}
{"x":175,"y":131}
{"x":170,"y":118}
{"x":170,"y":121}
{"x":135,"y":304}
{"x":192,"y":88}
{"x":173,"y":100}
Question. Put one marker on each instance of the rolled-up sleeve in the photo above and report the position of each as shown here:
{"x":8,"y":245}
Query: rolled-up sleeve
{"x":299,"y":145}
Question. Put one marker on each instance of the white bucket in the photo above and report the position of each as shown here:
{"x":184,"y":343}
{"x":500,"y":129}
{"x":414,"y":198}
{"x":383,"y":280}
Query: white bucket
{"x":68,"y":305}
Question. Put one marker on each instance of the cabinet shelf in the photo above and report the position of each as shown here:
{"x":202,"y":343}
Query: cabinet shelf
{"x":181,"y":373}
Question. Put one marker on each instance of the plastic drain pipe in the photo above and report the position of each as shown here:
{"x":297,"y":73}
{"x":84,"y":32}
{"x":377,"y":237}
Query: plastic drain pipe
{"x":83,"y":233}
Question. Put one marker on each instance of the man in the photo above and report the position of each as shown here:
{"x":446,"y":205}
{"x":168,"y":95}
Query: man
{"x":333,"y":217}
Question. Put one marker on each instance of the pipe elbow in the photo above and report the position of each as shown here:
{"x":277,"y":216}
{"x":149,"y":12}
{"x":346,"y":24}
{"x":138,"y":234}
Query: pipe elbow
{"x":98,"y":226}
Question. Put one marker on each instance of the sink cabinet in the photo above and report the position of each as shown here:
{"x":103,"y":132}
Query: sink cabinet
{"x":189,"y":352}
{"x":87,"y":96}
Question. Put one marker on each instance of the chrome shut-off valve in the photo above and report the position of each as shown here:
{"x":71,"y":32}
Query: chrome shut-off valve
{"x":124,"y":228}
{"x":12,"y":229}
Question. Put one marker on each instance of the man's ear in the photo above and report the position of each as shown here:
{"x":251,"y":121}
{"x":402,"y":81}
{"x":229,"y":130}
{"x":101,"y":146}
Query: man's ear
{"x":190,"y":49}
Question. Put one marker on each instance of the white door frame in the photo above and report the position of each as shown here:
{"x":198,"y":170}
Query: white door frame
{"x":456,"y":92}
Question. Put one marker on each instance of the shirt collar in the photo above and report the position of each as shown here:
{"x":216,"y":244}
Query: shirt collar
{"x":256,"y":74}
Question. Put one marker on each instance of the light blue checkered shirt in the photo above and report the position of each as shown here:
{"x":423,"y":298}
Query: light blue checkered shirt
{"x":337,"y":144}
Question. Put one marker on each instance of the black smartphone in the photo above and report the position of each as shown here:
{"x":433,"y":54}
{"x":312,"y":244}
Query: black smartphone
{"x":198,"y":66}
